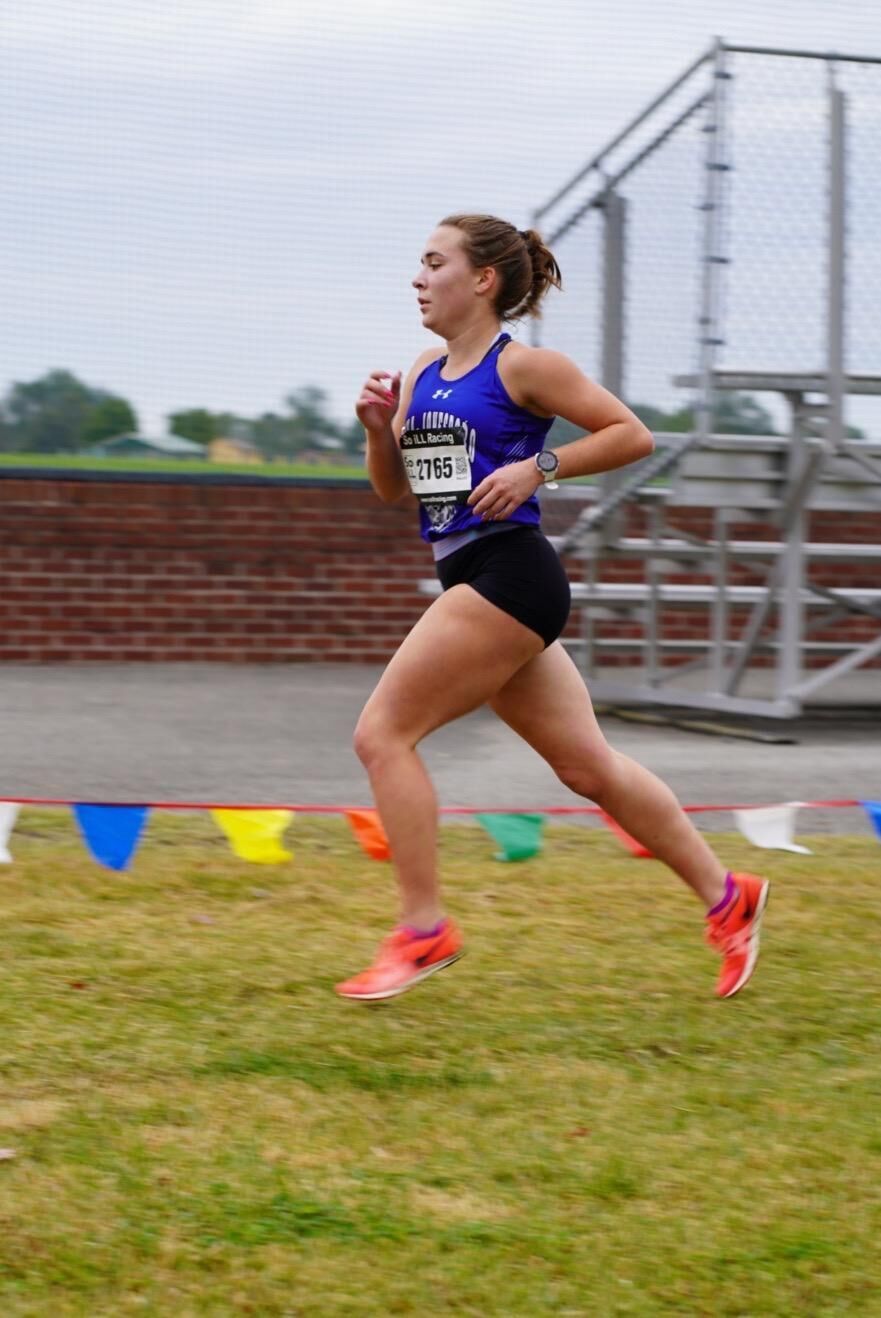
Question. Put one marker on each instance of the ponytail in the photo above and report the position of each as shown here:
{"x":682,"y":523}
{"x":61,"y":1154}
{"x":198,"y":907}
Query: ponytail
{"x":545,"y":272}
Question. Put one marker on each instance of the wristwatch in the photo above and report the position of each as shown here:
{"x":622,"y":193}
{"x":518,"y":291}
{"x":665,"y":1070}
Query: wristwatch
{"x":547,"y":463}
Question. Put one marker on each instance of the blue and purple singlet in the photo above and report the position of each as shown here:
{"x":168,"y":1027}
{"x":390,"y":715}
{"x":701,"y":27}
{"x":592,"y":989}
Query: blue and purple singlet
{"x":456,"y":433}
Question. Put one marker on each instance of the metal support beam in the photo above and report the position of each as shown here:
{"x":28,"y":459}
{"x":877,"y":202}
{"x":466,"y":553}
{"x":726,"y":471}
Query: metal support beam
{"x":836,"y":281}
{"x":614,"y":236}
{"x":720,"y":607}
{"x":596,"y":161}
{"x":715,"y":165}
{"x":791,"y":569}
{"x":855,"y":659}
{"x":801,"y":483}
{"x":612,"y":329}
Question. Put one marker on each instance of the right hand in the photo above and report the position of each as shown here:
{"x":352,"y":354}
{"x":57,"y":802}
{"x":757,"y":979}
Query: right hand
{"x":378,"y":400}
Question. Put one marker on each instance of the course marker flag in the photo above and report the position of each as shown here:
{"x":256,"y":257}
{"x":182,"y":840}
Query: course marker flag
{"x":771,"y":826}
{"x":255,"y":835}
{"x":873,"y":810}
{"x":368,"y":829}
{"x":519,"y":836}
{"x":111,"y":832}
{"x":8,"y":813}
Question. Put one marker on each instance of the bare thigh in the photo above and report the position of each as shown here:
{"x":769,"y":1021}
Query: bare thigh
{"x":460,"y":653}
{"x":548,"y":705}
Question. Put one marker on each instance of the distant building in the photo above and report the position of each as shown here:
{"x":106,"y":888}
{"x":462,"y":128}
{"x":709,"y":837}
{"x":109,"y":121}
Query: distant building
{"x":325,"y":450}
{"x":147,"y":446}
{"x":228,"y":449}
{"x":323,"y":457}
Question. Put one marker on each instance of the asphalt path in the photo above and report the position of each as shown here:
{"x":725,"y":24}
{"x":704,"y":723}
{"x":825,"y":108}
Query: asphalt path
{"x":274,"y":734}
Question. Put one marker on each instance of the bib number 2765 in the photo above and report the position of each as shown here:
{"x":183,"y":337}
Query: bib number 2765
{"x":437,"y":464}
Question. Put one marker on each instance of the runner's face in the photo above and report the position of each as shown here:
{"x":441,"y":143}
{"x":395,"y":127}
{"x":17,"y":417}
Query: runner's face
{"x":447,"y":285}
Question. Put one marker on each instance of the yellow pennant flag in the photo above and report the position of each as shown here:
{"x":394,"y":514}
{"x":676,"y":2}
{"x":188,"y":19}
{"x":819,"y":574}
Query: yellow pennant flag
{"x":255,"y":835}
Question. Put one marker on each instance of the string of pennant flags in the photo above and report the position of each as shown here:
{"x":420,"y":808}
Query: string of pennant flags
{"x":112,"y":831}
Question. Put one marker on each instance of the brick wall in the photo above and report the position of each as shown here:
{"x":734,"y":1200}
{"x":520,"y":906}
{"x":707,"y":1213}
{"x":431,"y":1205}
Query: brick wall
{"x":239,"y":569}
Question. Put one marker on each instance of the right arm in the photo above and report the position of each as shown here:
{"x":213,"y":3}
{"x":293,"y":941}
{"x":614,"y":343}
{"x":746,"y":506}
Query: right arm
{"x":382,"y":409}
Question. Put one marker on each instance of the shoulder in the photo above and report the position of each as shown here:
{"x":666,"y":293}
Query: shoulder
{"x":533,"y":375}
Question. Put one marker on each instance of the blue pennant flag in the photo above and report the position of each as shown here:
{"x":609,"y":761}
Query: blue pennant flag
{"x":873,"y":810}
{"x":111,"y":832}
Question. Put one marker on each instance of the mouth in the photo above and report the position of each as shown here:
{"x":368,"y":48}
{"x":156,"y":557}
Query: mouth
{"x":423,"y":306}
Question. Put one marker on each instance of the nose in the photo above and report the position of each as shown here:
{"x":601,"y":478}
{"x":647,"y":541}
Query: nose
{"x":419,"y":280}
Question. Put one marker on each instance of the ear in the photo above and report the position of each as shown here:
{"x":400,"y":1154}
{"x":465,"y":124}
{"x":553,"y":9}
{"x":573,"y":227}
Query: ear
{"x":486,"y":282}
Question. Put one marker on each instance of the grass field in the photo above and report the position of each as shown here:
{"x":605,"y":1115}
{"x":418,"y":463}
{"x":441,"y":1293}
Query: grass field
{"x":185,"y":466}
{"x":566,"y":1122}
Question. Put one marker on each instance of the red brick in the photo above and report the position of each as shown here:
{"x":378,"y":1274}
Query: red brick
{"x":269,"y":574}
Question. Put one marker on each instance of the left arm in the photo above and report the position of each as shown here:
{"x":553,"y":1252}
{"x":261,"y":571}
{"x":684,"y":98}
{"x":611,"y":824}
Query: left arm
{"x":549,"y":384}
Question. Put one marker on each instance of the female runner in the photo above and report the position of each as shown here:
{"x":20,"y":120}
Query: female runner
{"x":466,"y":434}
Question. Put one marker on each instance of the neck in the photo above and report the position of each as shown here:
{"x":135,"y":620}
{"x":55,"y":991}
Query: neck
{"x":465,"y":348}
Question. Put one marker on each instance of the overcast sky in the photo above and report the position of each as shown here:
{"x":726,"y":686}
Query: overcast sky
{"x":212,"y":202}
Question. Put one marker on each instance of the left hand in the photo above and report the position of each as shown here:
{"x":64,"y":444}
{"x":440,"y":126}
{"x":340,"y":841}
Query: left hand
{"x":503,"y":491}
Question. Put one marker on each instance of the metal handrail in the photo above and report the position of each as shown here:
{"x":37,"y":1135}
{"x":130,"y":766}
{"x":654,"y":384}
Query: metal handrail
{"x":657,"y":464}
{"x":832,"y":55}
{"x":609,"y":184}
{"x":597,"y":160}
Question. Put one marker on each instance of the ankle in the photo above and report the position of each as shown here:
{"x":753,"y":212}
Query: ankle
{"x":726,"y":898}
{"x":423,"y":929}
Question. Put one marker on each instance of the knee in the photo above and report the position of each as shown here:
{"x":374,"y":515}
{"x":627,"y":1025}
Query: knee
{"x":365,"y":739}
{"x":373,"y":738}
{"x":590,"y":776}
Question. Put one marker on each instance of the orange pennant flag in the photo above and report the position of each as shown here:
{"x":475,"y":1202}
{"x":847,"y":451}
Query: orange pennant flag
{"x":635,"y":848}
{"x":368,"y":829}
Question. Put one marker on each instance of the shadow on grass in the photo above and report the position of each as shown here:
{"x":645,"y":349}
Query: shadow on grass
{"x":331,"y":1072}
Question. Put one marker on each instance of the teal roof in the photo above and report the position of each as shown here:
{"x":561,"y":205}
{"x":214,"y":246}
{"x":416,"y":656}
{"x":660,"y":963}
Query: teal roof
{"x":173,"y":446}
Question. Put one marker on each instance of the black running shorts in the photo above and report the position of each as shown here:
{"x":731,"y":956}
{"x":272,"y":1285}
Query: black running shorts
{"x":520,"y":572}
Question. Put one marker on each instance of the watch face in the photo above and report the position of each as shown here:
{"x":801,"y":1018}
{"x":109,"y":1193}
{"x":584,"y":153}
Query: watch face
{"x":546,"y":461}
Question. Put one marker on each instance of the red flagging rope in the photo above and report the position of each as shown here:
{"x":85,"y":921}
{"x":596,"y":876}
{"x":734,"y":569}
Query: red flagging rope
{"x":444,"y":809}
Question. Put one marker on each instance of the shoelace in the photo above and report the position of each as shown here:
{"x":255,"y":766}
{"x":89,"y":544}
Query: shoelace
{"x":738,"y":941}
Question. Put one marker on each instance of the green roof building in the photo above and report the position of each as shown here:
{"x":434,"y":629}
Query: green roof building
{"x":147,"y":446}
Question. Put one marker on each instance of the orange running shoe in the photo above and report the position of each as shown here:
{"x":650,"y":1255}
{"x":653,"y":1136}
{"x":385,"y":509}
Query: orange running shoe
{"x":735,"y":933}
{"x":403,"y":960}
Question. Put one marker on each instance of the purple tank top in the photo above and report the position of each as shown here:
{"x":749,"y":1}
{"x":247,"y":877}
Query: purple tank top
{"x":456,"y":433}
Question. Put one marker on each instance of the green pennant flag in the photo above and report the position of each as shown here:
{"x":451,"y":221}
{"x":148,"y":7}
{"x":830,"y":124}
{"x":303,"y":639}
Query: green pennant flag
{"x":519,"y":836}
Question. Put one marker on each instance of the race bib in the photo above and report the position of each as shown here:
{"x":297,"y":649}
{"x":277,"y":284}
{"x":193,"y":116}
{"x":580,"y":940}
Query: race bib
{"x":437,"y":465}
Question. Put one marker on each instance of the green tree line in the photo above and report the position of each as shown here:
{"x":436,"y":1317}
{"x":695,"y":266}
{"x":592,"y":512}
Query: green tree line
{"x":58,"y":413}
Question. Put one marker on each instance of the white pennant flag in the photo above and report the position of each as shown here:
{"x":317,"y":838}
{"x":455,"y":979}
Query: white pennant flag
{"x":771,"y":826}
{"x":8,"y":812}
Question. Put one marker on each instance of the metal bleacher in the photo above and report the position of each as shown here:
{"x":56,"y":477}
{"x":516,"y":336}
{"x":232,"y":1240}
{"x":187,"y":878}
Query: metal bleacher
{"x":776,"y":483}
{"x":735,"y":572}
{"x":731,"y":572}
{"x":760,"y":600}
{"x":781,"y":617}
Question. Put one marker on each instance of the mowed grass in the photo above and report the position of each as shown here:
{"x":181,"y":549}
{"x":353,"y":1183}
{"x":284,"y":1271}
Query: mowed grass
{"x":189,"y":466}
{"x":566,"y":1122}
